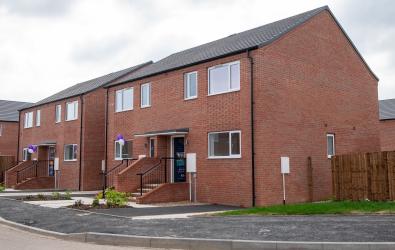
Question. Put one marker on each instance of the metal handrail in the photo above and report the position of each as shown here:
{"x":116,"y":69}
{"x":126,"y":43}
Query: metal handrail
{"x":119,"y":165}
{"x":34,"y":166}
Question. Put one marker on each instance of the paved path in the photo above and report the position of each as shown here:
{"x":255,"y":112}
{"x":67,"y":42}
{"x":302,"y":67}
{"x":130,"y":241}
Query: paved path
{"x":14,"y":239}
{"x":281,"y":228}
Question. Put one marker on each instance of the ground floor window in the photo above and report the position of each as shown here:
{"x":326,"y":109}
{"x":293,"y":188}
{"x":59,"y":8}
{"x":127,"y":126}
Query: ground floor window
{"x":26,"y":156}
{"x":224,"y":144}
{"x":330,"y":142}
{"x":70,"y":152}
{"x":124,"y":151}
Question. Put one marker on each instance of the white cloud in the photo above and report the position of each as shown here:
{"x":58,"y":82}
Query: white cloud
{"x":48,"y":47}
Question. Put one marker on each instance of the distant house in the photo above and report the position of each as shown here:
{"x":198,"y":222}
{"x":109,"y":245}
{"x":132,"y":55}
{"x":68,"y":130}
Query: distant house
{"x":69,"y":125}
{"x":9,"y":119}
{"x":387,"y":124}
{"x":297,"y":88}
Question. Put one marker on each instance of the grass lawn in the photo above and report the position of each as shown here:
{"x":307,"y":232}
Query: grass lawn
{"x":330,"y":207}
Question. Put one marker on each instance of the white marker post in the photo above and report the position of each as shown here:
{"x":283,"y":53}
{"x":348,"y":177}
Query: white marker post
{"x":56,"y":170}
{"x":191,"y":169}
{"x":284,"y":170}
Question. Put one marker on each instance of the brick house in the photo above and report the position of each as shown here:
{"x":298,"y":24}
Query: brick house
{"x":297,"y":87}
{"x":9,"y":120}
{"x":387,"y":124}
{"x":68,"y":125}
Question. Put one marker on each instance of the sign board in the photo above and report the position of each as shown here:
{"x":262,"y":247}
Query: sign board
{"x":284,"y":165}
{"x":56,"y":164}
{"x":191,"y":162}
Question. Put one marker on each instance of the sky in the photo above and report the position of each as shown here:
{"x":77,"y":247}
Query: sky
{"x":49,"y":45}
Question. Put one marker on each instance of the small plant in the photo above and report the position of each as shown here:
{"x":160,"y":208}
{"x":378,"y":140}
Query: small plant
{"x":78,"y":203}
{"x":56,"y":196}
{"x":2,"y":188}
{"x":95,"y":202}
{"x":67,"y":195}
{"x":99,"y":196}
{"x":41,"y":197}
{"x":115,"y":199}
{"x":29,"y":197}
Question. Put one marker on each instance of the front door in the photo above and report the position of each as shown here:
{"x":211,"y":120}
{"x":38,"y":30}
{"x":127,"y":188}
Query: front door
{"x":179,"y":164}
{"x":51,"y":161}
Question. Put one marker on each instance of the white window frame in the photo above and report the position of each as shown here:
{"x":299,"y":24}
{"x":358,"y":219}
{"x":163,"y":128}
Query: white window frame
{"x":229,"y":72}
{"x":327,"y":148}
{"x":38,"y":118}
{"x":1,"y":129}
{"x":75,"y":104}
{"x":64,"y":152}
{"x":120,"y":157}
{"x":122,"y":92}
{"x":25,"y":153}
{"x":234,"y":156}
{"x":149,"y":95}
{"x":58,"y":108}
{"x":28,"y":123}
{"x":187,"y":85}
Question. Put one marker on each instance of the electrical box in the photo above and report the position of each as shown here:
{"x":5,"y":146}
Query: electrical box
{"x":56,"y":164}
{"x":284,"y":165}
{"x":191,"y":162}
{"x":103,"y":165}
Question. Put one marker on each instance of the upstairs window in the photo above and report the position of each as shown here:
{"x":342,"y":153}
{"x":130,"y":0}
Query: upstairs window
{"x":38,"y":118}
{"x":146,"y":95}
{"x":123,"y":151}
{"x":26,"y":156}
{"x":58,"y":113}
{"x":70,"y":152}
{"x":224,"y":144}
{"x":124,"y":100}
{"x":190,"y":85}
{"x":28,"y":120}
{"x":1,"y":129}
{"x":71,"y":111}
{"x":330,"y":143}
{"x":224,"y":78}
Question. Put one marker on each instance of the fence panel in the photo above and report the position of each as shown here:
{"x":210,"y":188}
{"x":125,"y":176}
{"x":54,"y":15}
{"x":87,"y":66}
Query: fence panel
{"x":6,"y":162}
{"x":364,"y":176}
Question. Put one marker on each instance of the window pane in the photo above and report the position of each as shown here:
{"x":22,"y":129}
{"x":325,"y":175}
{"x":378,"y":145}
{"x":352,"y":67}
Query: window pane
{"x":58,"y":112}
{"x":38,"y":118}
{"x":219,"y":144}
{"x":235,"y":147}
{"x":219,"y":79}
{"x":235,"y":76}
{"x":117,"y":150}
{"x":69,"y":111}
{"x":192,"y":85}
{"x":75,"y":149}
{"x":127,"y":99}
{"x":75,"y":110}
{"x":330,"y":145}
{"x":145,"y":95}
{"x":127,"y":150}
{"x":118,"y":101}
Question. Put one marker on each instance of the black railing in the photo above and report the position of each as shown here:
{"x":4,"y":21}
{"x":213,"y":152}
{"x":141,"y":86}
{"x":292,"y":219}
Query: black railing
{"x":35,"y":169}
{"x":110,"y":174}
{"x":156,"y":175}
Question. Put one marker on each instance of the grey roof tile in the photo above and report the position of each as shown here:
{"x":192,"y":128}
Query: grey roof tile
{"x":387,"y":109}
{"x":9,"y":110}
{"x":235,"y":43}
{"x":87,"y":86}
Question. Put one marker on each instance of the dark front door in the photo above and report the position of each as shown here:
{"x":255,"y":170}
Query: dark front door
{"x":179,"y":161}
{"x":51,"y":161}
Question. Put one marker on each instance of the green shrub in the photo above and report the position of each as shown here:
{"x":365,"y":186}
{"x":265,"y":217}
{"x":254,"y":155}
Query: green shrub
{"x":99,"y":196}
{"x":95,"y":202}
{"x":56,"y":196}
{"x":29,"y":197}
{"x":78,"y":203}
{"x":115,"y":199}
{"x":41,"y":197}
{"x":2,"y":188}
{"x":67,"y":195}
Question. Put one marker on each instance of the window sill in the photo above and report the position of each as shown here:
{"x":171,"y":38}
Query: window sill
{"x":225,"y":92}
{"x":120,"y":111}
{"x":190,"y":98}
{"x":70,"y":160}
{"x":71,"y":120}
{"x":224,"y":157}
{"x":143,"y":107}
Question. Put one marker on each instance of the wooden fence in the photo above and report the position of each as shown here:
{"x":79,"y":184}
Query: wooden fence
{"x":364,"y":176}
{"x":6,"y":162}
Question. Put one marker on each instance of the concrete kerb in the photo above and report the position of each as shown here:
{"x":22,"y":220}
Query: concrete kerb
{"x":195,"y":243}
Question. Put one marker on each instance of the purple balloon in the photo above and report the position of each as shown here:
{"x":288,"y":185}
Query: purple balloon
{"x":119,"y":137}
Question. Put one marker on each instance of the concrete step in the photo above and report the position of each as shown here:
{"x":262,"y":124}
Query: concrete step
{"x":152,"y":186}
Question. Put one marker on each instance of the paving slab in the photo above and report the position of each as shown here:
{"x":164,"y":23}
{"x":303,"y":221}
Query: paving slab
{"x":369,"y":228}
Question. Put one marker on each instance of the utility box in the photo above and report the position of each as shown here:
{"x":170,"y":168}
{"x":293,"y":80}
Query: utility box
{"x":191,"y":162}
{"x":285,"y":165}
{"x":56,"y":164}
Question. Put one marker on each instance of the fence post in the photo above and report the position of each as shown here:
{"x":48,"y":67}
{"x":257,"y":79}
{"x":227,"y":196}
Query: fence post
{"x":310,"y":178}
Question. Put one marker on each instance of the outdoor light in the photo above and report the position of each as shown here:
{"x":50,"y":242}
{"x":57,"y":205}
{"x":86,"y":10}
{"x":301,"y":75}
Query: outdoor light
{"x":121,"y":140}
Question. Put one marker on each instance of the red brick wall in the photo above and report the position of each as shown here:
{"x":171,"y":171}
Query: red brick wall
{"x":387,"y":135}
{"x":169,"y":192}
{"x":68,"y":132}
{"x":308,"y":83}
{"x":9,"y":138}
